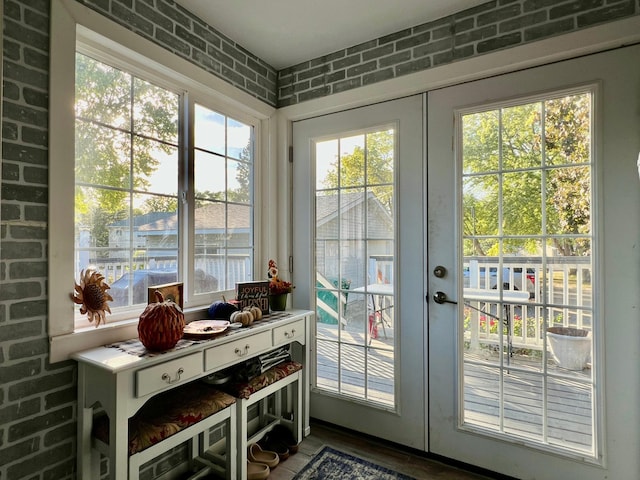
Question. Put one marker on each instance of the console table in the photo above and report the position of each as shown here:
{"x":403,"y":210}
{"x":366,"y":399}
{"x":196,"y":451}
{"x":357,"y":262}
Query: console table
{"x":120,"y":379}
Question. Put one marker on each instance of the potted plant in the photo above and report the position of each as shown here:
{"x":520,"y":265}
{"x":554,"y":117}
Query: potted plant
{"x":278,"y":289}
{"x":570,"y":347}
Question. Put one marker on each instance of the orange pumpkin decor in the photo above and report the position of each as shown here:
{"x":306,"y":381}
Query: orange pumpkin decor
{"x":161,"y":324}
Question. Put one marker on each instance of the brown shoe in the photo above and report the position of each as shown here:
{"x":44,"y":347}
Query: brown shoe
{"x":257,"y":455}
{"x":285,"y":436}
{"x":273,"y":444}
{"x":257,"y":471}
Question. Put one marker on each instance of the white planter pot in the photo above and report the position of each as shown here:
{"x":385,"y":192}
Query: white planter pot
{"x":570,"y":347}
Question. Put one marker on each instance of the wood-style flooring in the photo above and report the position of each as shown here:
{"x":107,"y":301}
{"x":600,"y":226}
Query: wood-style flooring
{"x":409,"y":462}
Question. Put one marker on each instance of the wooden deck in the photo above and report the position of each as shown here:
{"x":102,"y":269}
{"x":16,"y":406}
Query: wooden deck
{"x":554,"y":409}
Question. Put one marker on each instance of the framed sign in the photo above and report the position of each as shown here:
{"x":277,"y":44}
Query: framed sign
{"x":250,"y":294}
{"x":169,"y":291}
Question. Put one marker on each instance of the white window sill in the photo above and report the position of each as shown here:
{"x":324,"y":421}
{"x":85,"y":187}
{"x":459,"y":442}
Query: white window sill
{"x":63,"y":346}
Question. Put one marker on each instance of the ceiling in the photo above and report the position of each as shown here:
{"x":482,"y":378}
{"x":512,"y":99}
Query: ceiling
{"x":286,"y":32}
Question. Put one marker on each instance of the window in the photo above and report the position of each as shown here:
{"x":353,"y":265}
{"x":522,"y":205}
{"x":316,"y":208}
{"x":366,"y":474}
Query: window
{"x":128,"y":217}
{"x":163,"y":162}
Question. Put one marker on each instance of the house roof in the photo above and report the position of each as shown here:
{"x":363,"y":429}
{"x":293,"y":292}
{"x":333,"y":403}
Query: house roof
{"x":327,"y":205}
{"x":209,"y":217}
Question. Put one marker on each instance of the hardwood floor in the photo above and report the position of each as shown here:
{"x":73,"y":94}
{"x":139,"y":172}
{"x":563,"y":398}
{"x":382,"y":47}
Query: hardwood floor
{"x":388,"y":455}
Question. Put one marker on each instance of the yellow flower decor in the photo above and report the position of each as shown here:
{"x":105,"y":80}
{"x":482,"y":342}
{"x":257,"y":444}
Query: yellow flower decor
{"x":277,"y":286}
{"x":92,"y":296}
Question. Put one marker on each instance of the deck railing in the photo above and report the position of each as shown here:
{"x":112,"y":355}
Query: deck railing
{"x":227,"y":270}
{"x":559,"y":295}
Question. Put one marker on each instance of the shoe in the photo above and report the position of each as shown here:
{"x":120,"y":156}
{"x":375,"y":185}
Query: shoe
{"x":274,"y":444}
{"x":257,"y":471}
{"x":257,"y":455}
{"x":284,"y":435}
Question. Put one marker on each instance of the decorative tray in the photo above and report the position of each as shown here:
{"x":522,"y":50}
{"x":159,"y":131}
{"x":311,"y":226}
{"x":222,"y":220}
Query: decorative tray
{"x":205,"y":328}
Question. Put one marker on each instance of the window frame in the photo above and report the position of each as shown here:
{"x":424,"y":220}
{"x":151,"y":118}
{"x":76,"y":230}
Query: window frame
{"x":73,"y":24}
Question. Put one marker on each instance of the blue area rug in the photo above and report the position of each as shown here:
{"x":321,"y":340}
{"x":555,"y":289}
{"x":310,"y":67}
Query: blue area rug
{"x":330,"y":464}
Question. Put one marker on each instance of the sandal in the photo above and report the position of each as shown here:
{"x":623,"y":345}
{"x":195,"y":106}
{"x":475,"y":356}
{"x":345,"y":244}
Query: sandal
{"x":257,"y":471}
{"x":257,"y":455}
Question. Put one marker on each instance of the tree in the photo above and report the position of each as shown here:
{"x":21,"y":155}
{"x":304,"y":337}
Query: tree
{"x":370,"y":164}
{"x":122,"y":125}
{"x":510,"y":155}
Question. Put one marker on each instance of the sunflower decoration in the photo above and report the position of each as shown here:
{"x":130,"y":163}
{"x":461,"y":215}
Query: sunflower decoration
{"x":92,"y":296}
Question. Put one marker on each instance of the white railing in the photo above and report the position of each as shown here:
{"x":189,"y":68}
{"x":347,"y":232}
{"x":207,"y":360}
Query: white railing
{"x":559,"y":295}
{"x":228,"y":272}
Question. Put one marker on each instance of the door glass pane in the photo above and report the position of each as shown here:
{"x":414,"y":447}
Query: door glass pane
{"x":527,"y":319}
{"x":354,"y":264}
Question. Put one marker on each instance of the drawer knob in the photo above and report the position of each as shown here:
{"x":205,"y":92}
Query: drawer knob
{"x":290,"y":334}
{"x":167,"y":378}
{"x":242,"y":353}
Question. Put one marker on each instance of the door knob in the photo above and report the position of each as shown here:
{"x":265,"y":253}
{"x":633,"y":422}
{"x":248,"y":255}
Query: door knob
{"x":441,"y":297}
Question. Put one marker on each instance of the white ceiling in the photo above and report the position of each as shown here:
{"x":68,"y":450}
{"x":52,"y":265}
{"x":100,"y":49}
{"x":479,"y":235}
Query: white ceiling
{"x":286,"y":32}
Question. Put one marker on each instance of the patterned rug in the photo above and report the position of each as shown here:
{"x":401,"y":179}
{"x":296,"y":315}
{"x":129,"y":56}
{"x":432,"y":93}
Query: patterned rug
{"x":330,"y":464}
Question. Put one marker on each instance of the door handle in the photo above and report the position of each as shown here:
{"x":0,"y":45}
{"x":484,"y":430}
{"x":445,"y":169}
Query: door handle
{"x":441,"y":297}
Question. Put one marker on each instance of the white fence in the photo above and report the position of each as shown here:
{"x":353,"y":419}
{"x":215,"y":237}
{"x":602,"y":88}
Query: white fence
{"x":227,"y":271}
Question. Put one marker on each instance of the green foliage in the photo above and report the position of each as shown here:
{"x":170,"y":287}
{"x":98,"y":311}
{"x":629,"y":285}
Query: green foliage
{"x":525,"y":165}
{"x":370,"y":164}
{"x":122,"y":125}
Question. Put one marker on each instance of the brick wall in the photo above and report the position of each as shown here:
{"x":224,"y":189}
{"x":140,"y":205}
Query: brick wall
{"x":179,"y":31}
{"x":37,"y":399}
{"x":491,"y":26}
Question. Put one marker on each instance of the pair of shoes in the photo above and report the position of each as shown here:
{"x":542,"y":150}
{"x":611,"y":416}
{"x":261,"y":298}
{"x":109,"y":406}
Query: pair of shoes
{"x":257,"y":471}
{"x":285,"y":436}
{"x":257,"y":455}
{"x":273,"y":444}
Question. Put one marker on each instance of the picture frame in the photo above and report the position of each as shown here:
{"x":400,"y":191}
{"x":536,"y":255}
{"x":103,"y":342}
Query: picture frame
{"x":255,"y":293}
{"x":170,"y":291}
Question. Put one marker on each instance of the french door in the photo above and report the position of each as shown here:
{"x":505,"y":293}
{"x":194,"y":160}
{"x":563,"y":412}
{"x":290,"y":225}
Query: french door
{"x":358,"y":259}
{"x":527,"y":174}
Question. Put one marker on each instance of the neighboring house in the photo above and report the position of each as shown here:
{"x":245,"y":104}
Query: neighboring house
{"x":158,"y":230}
{"x":333,"y":221}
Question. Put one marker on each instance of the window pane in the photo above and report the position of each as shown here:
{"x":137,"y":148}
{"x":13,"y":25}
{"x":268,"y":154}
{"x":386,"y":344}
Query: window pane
{"x":352,"y":159}
{"x":103,"y":155}
{"x":209,"y":176}
{"x":568,"y":130}
{"x":326,"y":164}
{"x":238,"y":181}
{"x":210,"y":130}
{"x":380,"y":157}
{"x":103,"y":93}
{"x":480,"y":141}
{"x":155,"y":166}
{"x":223,"y":172}
{"x":521,"y":136}
{"x":238,"y":139}
{"x":155,"y":112}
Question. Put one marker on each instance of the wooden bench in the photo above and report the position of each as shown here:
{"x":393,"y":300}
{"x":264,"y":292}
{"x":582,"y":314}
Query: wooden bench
{"x":284,"y":383}
{"x":167,"y":420}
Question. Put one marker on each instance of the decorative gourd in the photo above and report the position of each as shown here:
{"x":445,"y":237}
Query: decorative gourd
{"x":255,"y":311}
{"x":243,"y":317}
{"x":161,"y":324}
{"x":221,"y":310}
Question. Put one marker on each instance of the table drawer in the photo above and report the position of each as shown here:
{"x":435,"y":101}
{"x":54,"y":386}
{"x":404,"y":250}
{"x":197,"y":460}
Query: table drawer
{"x":159,"y":377}
{"x":291,"y":332}
{"x":237,"y":351}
